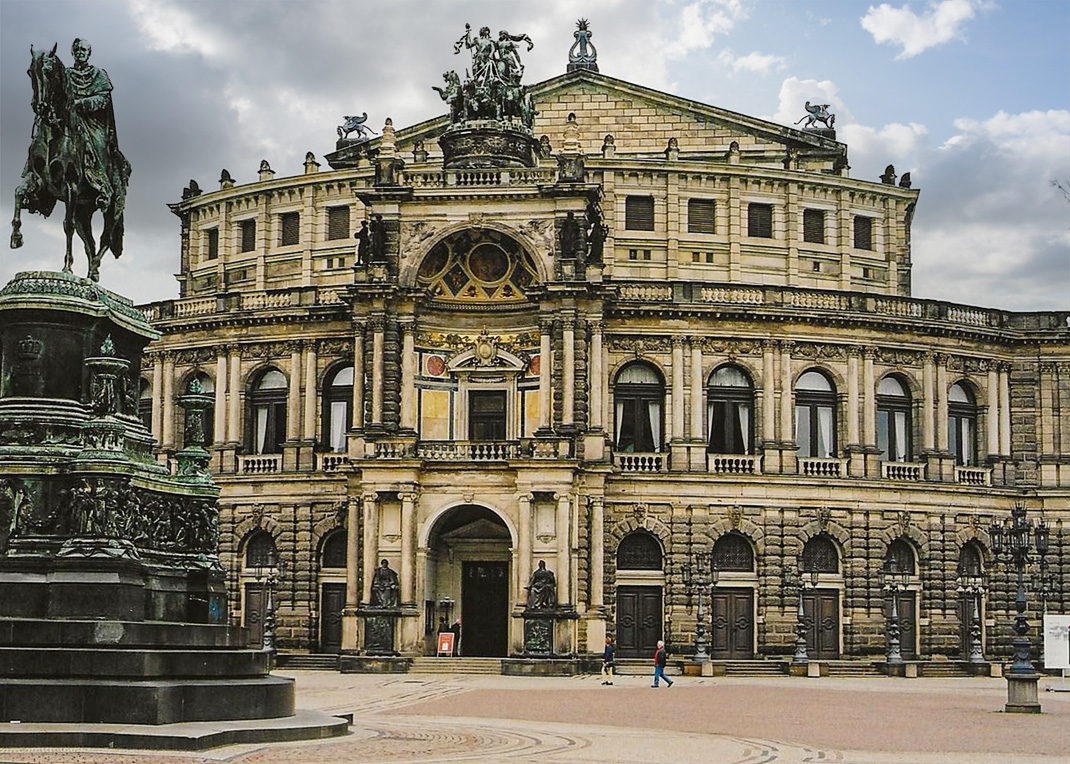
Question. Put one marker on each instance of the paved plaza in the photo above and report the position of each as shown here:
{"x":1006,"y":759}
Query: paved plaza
{"x":430,"y":718}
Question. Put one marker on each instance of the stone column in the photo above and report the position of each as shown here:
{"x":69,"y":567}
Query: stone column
{"x":168,"y":400}
{"x":597,"y":598}
{"x":697,"y":433}
{"x":546,"y":371}
{"x":293,"y":394}
{"x":220,"y":413}
{"x":568,"y":343}
{"x":157,"y":398}
{"x":408,"y":542}
{"x":377,"y":371}
{"x":677,"y":389}
{"x":564,"y":574}
{"x":408,"y":376}
{"x":993,"y":410}
{"x":852,"y":397}
{"x":941,"y":403}
{"x":928,"y":443}
{"x":349,"y":614}
{"x":371,"y":542}
{"x":309,"y":418}
{"x":358,"y":377}
{"x":594,"y":379}
{"x":768,"y":393}
{"x":524,"y":542}
{"x":1005,"y":409}
{"x":234,"y":396}
{"x":787,"y":408}
{"x":869,"y":403}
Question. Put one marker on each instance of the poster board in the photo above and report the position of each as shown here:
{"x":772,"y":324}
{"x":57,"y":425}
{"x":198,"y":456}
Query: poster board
{"x":1057,"y":642}
{"x":445,"y":643}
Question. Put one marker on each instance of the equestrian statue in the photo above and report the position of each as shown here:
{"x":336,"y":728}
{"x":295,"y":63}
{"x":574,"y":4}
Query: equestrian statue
{"x":74,"y":154}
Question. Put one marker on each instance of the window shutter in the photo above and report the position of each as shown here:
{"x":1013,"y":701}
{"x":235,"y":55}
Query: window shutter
{"x":814,"y":226}
{"x":213,"y":243}
{"x":248,"y":235}
{"x":291,"y":228}
{"x":760,"y":221}
{"x":700,"y":216}
{"x":337,"y":223}
{"x":639,"y":213}
{"x":863,"y":232}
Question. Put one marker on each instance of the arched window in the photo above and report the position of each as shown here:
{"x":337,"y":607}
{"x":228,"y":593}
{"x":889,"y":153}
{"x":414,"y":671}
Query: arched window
{"x":893,"y":421}
{"x":203,"y":384}
{"x":638,"y":395}
{"x":267,"y":413}
{"x":820,"y":554}
{"x":733,"y":552}
{"x":144,"y":404}
{"x":815,"y":416}
{"x":639,"y":550}
{"x":333,"y":551}
{"x":260,"y":551}
{"x":971,"y":561}
{"x":337,"y":408}
{"x":730,"y":400}
{"x":901,"y":554}
{"x":962,"y":424}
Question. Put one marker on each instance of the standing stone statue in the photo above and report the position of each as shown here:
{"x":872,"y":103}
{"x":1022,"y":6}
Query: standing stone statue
{"x":74,"y":154}
{"x":542,"y":589}
{"x":385,"y":589}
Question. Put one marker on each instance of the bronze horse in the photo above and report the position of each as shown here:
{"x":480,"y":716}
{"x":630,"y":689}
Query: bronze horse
{"x":63,"y":166}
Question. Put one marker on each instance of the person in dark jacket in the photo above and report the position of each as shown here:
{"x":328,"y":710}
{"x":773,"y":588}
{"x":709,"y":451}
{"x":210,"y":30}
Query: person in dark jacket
{"x":607,"y":662}
{"x":660,"y":659}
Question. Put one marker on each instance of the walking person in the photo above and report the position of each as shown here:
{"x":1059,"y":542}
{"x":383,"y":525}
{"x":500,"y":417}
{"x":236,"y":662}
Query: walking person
{"x":660,"y":659}
{"x":607,"y":663}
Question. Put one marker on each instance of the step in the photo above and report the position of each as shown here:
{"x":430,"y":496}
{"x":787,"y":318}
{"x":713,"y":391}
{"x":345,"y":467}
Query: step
{"x":642,"y":666}
{"x":132,"y":663}
{"x":40,"y":632}
{"x":851,"y":669}
{"x":307,"y":661}
{"x":752,"y":668}
{"x":434,"y":665}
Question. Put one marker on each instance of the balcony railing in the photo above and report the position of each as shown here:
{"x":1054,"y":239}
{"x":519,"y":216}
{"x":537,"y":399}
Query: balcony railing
{"x":973,"y":475}
{"x":734,"y":464}
{"x":331,"y":462}
{"x":641,"y":462}
{"x":910,"y":471}
{"x":823,"y":468}
{"x":260,"y":464}
{"x":468,"y":450}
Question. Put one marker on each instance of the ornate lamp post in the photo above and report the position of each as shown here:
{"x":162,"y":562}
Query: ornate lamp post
{"x":270,"y":577}
{"x":694,"y":573}
{"x":892,"y":580}
{"x":1014,"y":543}
{"x":974,"y":585}
{"x":798,"y":578}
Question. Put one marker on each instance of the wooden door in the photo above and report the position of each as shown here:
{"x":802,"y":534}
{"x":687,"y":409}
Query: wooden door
{"x":639,"y":619}
{"x":732,"y":634}
{"x":965,"y":612}
{"x":332,"y":600}
{"x":821,"y":609}
{"x":485,"y":609}
{"x":906,"y":603}
{"x":255,"y":607}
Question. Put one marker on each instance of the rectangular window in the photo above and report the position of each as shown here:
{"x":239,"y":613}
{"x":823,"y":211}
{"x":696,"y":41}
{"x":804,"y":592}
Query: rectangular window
{"x":639,"y":213}
{"x":248,"y":235}
{"x":760,"y":221}
{"x":337,"y":223}
{"x":486,"y":415}
{"x":863,"y":232}
{"x":700,"y":216}
{"x":213,"y":243}
{"x":814,"y":226}
{"x":289,"y":228}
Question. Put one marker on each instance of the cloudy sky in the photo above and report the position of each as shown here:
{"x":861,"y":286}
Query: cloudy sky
{"x":971,"y":96}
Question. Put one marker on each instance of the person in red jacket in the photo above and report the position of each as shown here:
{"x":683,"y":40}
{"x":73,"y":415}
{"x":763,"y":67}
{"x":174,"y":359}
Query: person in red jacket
{"x":660,"y":658}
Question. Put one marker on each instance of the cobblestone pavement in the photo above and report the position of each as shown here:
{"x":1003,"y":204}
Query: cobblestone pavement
{"x":512,"y":720}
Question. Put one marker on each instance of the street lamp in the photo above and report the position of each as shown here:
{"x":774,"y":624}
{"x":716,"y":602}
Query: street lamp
{"x":974,"y":585}
{"x":1013,"y":543}
{"x":806,"y":572}
{"x":694,"y":573}
{"x":271,"y":579}
{"x":893,"y":578}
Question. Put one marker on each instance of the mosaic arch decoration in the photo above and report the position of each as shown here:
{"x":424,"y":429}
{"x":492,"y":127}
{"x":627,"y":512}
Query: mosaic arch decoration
{"x":477,"y":265}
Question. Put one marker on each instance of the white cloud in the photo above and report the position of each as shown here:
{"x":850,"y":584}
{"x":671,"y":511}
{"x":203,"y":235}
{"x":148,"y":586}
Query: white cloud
{"x":171,"y":29}
{"x":795,"y":92}
{"x":762,"y":63}
{"x":700,"y":21}
{"x":942,"y":23}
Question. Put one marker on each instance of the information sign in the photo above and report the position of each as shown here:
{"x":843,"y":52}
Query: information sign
{"x":1057,"y":642}
{"x":445,"y":643}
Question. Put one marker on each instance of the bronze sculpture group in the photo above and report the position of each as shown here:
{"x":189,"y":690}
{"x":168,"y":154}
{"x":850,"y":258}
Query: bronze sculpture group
{"x":74,"y":154}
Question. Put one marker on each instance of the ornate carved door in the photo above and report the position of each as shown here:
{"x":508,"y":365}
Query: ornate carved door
{"x":732,"y":635}
{"x":485,"y":609}
{"x":821,"y":608}
{"x":332,"y":600}
{"x":908,"y":629}
{"x":639,"y":620}
{"x":965,"y":612}
{"x":255,"y":605}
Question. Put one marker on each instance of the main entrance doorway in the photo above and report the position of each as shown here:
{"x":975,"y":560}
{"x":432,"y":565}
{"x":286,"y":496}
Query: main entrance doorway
{"x":468,"y":577}
{"x":332,"y":601}
{"x":638,"y":620}
{"x":733,"y":624}
{"x":821,"y":610}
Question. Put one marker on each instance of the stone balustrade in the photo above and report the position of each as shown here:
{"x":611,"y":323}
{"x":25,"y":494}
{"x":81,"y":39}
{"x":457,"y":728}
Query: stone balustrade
{"x":823,"y":468}
{"x":653,"y":462}
{"x":978,"y":476}
{"x":910,"y":471}
{"x":260,"y":464}
{"x":734,"y":464}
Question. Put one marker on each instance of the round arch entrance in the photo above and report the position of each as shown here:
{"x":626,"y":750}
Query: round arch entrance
{"x":469,"y":550}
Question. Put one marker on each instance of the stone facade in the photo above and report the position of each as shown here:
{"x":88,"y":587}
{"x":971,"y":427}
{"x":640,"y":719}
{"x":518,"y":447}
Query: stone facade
{"x":490,"y":390}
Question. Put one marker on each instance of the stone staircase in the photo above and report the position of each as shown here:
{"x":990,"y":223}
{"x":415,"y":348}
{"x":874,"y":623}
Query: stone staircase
{"x":842,"y":669}
{"x":944,"y":669}
{"x":642,"y":666}
{"x":436,"y":665}
{"x":307,"y":661}
{"x":752,"y":668}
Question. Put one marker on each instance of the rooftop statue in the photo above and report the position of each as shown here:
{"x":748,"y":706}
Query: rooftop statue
{"x":493,"y":91}
{"x":583,"y":54}
{"x":74,"y":154}
{"x":355,"y":125}
{"x":818,"y":113}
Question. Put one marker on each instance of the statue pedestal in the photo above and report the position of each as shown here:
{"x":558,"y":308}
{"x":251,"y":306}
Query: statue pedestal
{"x":479,"y":144}
{"x":541,"y":631}
{"x":1022,"y":694}
{"x":380,"y":630}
